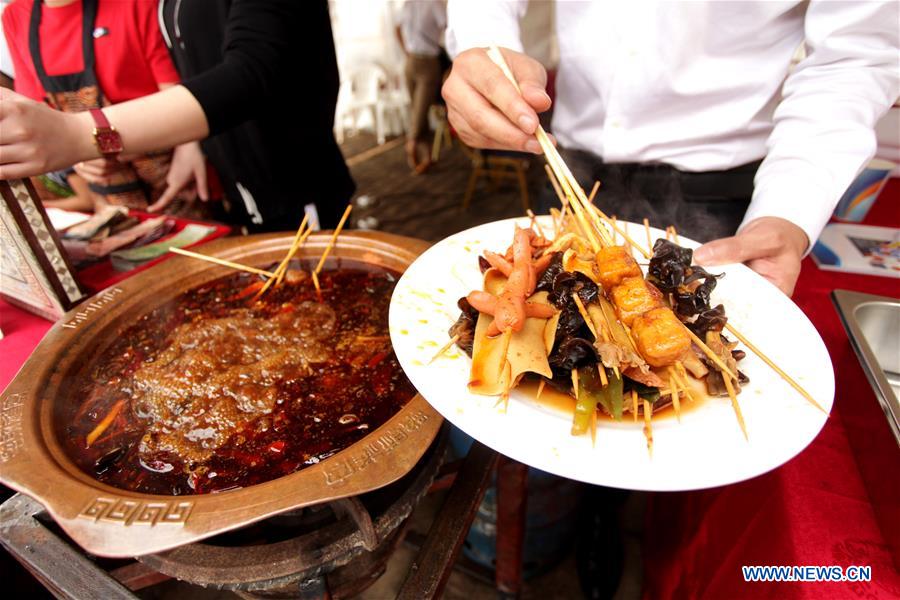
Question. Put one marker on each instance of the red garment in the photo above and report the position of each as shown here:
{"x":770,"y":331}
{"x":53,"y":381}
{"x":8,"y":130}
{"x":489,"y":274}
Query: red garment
{"x":131,"y":59}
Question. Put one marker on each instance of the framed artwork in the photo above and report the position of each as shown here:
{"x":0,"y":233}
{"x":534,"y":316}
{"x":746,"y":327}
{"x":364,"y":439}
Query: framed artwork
{"x":35,"y":273}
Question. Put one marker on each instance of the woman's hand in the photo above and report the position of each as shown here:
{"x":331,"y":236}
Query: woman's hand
{"x":771,"y":246}
{"x":36,"y":139}
{"x":187,"y":174}
{"x":486,"y":109}
{"x":97,"y":171}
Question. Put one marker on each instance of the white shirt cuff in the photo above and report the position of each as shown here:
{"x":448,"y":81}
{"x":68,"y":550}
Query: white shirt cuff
{"x":797,"y":191}
{"x":481,"y":23}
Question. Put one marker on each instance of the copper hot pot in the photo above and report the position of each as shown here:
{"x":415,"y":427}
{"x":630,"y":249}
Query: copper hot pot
{"x":108,"y":521}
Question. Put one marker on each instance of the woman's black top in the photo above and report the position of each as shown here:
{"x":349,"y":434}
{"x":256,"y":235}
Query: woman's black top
{"x":266,"y":75}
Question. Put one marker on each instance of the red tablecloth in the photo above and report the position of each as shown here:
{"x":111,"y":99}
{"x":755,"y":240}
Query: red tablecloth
{"x":814,"y":510}
{"x":21,"y":333}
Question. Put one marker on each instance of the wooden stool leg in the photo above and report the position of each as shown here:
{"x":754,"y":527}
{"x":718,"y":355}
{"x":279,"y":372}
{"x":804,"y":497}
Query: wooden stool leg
{"x":436,"y":144}
{"x":523,"y":188}
{"x":470,"y":188}
{"x":511,"y":506}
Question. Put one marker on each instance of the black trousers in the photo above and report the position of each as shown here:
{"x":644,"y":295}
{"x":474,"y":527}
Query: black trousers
{"x":702,"y":206}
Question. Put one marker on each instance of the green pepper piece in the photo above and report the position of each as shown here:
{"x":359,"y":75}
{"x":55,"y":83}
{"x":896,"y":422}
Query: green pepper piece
{"x":588,"y":396}
{"x":612,"y":396}
{"x":591,"y":392}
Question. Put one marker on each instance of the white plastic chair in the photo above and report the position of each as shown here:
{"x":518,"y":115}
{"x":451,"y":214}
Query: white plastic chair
{"x":395,"y":105}
{"x":366,"y":89}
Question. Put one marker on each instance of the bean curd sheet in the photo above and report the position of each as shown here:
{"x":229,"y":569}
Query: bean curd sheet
{"x":218,"y":389}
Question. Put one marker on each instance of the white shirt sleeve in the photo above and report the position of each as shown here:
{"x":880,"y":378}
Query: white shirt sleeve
{"x":482,"y":23}
{"x":824,"y":126}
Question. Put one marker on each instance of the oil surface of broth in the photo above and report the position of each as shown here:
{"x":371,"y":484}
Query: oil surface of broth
{"x":218,"y":390}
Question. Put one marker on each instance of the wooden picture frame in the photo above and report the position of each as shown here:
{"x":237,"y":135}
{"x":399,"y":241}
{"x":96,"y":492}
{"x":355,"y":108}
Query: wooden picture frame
{"x":35,"y":273}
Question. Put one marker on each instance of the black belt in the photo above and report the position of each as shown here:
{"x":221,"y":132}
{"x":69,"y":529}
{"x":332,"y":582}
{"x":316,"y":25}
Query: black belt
{"x":736,"y":182}
{"x":730,"y":183}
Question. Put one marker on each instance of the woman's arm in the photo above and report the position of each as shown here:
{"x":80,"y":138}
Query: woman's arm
{"x":35,"y":139}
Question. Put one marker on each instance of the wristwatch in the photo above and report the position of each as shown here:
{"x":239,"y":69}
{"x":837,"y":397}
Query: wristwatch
{"x":106,"y":138}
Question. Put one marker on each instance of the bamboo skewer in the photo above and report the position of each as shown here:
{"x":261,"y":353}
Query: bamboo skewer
{"x":574,"y":376}
{"x":505,"y":396}
{"x":621,"y":232}
{"x":535,"y":223}
{"x":562,"y":172}
{"x":318,"y":269}
{"x":736,"y":406}
{"x":334,"y":235}
{"x":649,"y":237}
{"x":774,"y":367}
{"x":584,"y":315}
{"x":648,"y":426}
{"x":582,"y":201}
{"x":315,"y":278}
{"x":222,"y":262}
{"x":674,"y":235}
{"x":712,"y":355}
{"x":605,"y":336}
{"x":575,"y":205}
{"x":562,"y":198}
{"x":593,"y":192}
{"x":444,"y":348}
{"x":683,"y":381}
{"x":676,"y":404}
{"x":601,"y":371}
{"x":540,"y":389}
{"x":634,"y":405}
{"x":295,"y":245}
{"x":281,"y":270}
{"x":291,"y":253}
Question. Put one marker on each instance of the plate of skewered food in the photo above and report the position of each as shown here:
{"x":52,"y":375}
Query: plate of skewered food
{"x":568,"y":354}
{"x":565,"y":352}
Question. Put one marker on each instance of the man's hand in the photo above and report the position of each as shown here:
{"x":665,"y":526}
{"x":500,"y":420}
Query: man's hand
{"x":486,"y":109}
{"x":186,"y":173}
{"x":771,"y":246}
{"x":35,"y":139}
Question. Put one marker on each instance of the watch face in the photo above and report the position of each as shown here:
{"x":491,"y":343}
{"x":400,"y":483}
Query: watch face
{"x":108,"y":141}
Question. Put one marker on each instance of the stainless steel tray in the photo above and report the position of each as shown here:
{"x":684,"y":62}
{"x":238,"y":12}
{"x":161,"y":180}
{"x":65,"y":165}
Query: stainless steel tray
{"x":873,"y":325}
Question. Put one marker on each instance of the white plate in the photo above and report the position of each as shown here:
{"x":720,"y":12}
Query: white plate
{"x":705,"y":450}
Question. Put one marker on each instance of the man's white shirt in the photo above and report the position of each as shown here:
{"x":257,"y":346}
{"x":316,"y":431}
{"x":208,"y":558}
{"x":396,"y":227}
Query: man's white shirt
{"x":706,"y":86}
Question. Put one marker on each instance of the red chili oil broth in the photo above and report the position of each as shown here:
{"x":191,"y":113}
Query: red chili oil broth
{"x":309,"y":421}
